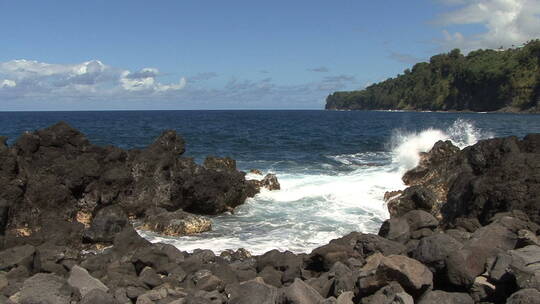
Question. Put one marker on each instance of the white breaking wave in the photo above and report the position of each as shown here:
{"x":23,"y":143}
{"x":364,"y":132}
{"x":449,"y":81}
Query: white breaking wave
{"x":407,"y":146}
{"x":312,"y":209}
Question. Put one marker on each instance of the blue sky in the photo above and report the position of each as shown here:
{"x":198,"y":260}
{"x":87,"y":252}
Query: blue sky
{"x":92,"y":55}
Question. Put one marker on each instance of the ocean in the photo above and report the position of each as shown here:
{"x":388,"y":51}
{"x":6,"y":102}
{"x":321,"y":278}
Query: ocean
{"x":334,"y":166}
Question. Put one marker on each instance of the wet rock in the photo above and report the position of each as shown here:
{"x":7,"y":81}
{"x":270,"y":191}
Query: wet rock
{"x":412,"y":198}
{"x":270,"y":182}
{"x":81,"y":280}
{"x":177,"y":223}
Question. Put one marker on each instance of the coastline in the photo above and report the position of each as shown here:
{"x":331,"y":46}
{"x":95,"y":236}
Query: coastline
{"x":419,"y":254}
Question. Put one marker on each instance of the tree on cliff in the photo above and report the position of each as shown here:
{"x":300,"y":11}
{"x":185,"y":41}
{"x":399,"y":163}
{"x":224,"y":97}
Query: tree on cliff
{"x":483,"y":80}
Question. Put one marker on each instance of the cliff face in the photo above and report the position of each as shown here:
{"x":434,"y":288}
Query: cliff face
{"x":484,"y":80}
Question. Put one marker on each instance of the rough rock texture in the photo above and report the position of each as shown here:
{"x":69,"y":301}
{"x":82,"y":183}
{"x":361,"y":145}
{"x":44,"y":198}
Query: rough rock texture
{"x":177,"y":223}
{"x":492,"y":176}
{"x":55,"y":174}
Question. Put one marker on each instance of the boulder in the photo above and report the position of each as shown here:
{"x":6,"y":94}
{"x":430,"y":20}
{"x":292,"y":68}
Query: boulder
{"x":412,"y":275}
{"x":301,"y":293}
{"x":253,"y":291}
{"x":433,"y":250}
{"x":177,"y":223}
{"x":395,"y":229}
{"x":45,"y":288}
{"x":79,"y":279}
{"x":287,"y":262}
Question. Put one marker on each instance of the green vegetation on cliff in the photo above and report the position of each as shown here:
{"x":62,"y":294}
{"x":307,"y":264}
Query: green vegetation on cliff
{"x":484,"y":80}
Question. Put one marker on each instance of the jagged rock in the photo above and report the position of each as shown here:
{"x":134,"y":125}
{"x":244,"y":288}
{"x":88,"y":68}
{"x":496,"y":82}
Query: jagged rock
{"x":45,"y":288}
{"x":412,"y":198}
{"x":413,"y":276}
{"x":497,"y":179}
{"x":443,"y":297}
{"x":81,"y":280}
{"x":270,"y":182}
{"x":57,"y":175}
{"x":177,"y":223}
{"x":524,"y":296}
{"x":218,"y":163}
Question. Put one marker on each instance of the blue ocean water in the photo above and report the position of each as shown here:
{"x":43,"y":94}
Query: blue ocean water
{"x":334,"y":166}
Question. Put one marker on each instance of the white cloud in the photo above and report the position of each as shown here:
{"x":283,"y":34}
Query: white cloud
{"x":6,"y":83}
{"x":506,"y":22}
{"x":92,"y":79}
{"x":96,"y":85}
{"x":145,"y":80}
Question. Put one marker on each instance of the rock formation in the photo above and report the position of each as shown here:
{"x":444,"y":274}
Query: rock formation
{"x":466,"y":233}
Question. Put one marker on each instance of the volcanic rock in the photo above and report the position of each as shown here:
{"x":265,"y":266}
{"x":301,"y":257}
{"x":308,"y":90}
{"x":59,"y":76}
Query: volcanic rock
{"x":177,"y":223}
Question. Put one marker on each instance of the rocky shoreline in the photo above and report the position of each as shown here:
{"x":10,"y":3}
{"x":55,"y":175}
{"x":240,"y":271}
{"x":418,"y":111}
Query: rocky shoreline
{"x":464,"y":231}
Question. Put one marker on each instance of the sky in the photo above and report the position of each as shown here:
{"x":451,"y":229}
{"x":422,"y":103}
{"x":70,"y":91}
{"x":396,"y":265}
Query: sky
{"x":200,"y":54}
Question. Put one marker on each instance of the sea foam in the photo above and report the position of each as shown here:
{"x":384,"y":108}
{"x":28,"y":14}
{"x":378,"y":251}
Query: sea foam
{"x":313,"y":208}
